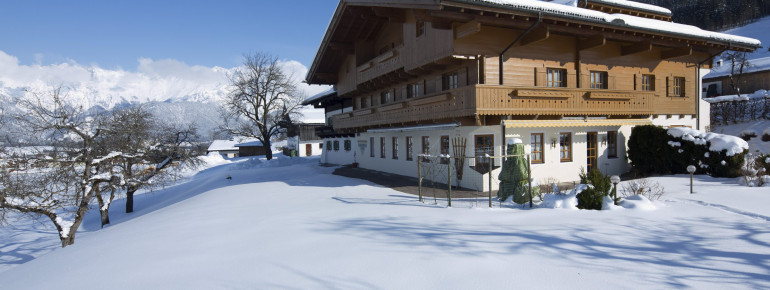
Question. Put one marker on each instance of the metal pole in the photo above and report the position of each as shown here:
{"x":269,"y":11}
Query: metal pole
{"x":419,"y":179}
{"x":690,"y":183}
{"x":449,"y":181}
{"x":529,"y":180}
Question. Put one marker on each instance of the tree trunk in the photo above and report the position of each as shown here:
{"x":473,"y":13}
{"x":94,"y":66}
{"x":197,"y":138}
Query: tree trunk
{"x":69,"y":240}
{"x":268,"y":149}
{"x":105,"y":213}
{"x":130,"y":200}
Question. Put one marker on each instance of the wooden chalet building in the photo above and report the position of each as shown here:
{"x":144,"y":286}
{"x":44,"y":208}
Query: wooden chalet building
{"x":569,"y":79}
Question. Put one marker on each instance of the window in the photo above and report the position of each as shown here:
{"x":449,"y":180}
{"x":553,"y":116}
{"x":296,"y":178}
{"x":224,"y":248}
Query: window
{"x":382,"y":147}
{"x":420,"y":28}
{"x":371,"y":147}
{"x":385,"y":97}
{"x":648,"y":82}
{"x":414,"y":90}
{"x":536,"y":141}
{"x":598,"y":79}
{"x":483,"y":146}
{"x":409,"y":148}
{"x":678,"y":90}
{"x":348,"y":145}
{"x":556,"y":78}
{"x":395,"y":147}
{"x":444,"y":149}
{"x":321,"y":145}
{"x":449,"y":81}
{"x":364,"y":102}
{"x":329,"y":145}
{"x":612,"y":144}
{"x":565,"y":147}
{"x":425,"y":148}
{"x":336,"y":145}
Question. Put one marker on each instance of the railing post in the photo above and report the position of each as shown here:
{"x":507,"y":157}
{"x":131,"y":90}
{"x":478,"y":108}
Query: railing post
{"x":489,"y":161}
{"x":529,"y":179}
{"x":449,"y":181}
{"x":419,"y":179}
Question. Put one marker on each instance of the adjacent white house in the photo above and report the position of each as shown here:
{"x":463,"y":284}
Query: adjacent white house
{"x":237,"y":147}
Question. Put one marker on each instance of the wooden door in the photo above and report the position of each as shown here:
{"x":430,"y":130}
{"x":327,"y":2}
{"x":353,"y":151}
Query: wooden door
{"x":591,"y":151}
{"x":308,"y":149}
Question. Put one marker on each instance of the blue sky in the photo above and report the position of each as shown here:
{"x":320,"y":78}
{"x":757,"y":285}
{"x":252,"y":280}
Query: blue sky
{"x":115,"y":34}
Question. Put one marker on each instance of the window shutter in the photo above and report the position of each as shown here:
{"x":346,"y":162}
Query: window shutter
{"x":585,"y":81}
{"x":571,"y":79}
{"x":462,"y":76}
{"x":540,"y":77}
{"x":637,"y":82}
{"x":610,"y":82}
{"x":669,"y":86}
{"x":689,"y":88}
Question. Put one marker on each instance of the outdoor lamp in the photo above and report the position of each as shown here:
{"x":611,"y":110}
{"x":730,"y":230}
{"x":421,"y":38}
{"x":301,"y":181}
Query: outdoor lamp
{"x":691,"y":170}
{"x":615,"y":180}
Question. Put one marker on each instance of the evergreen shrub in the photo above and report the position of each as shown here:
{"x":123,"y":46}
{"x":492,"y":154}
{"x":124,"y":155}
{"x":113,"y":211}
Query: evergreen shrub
{"x":592,"y":197}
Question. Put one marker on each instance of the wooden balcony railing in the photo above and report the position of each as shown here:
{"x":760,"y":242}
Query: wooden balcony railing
{"x":381,"y":65}
{"x":501,"y":100}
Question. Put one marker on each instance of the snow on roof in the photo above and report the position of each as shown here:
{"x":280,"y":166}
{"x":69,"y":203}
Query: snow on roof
{"x":623,"y":20}
{"x":760,"y":94}
{"x":232,"y":144}
{"x":719,"y":142}
{"x":755,"y":65}
{"x":249,"y":144}
{"x":636,"y":5}
{"x":318,"y":96}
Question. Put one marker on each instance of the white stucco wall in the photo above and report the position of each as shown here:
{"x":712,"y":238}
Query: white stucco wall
{"x":340,"y":156}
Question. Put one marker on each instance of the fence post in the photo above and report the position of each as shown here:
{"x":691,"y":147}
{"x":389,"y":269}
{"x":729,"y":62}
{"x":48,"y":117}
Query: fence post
{"x":419,"y":179}
{"x":449,"y":181}
{"x":529,"y":179}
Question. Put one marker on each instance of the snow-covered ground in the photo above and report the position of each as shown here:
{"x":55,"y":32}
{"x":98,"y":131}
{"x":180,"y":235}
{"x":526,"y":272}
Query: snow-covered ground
{"x":290,"y":223}
{"x":758,"y":127}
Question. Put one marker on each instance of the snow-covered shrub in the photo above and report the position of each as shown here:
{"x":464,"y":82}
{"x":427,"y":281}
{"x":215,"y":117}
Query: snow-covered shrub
{"x":748,"y":134}
{"x":644,"y":187}
{"x":656,"y":150}
{"x":593,"y":196}
{"x":766,"y":135}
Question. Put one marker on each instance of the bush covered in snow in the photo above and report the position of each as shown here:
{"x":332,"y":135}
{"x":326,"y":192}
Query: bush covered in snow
{"x":644,"y":187}
{"x":654,"y":150}
{"x":593,"y":196}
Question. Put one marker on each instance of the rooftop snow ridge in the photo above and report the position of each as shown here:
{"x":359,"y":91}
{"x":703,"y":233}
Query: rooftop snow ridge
{"x":635,"y":5}
{"x":570,"y":11}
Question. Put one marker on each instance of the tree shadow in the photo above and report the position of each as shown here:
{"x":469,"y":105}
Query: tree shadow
{"x":680,"y":254}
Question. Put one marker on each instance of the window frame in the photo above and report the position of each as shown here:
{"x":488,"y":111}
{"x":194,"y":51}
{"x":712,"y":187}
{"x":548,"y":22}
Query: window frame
{"x":371,"y":147}
{"x":425,"y":148}
{"x":565,"y":147}
{"x":534,"y":152}
{"x":420,"y":28}
{"x":394,"y":149}
{"x":348,"y":145}
{"x":413,"y":90}
{"x":385,"y":97}
{"x":648,"y":83}
{"x":482,"y":163}
{"x":382,"y":147}
{"x":444,"y":140}
{"x":678,"y":88}
{"x":551,"y":78}
{"x":449,"y":81}
{"x":336,"y":145}
{"x":601,"y":83}
{"x":409,"y":148}
{"x":612,"y":144}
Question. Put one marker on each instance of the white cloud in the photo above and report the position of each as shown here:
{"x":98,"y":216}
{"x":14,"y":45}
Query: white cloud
{"x":153,"y":80}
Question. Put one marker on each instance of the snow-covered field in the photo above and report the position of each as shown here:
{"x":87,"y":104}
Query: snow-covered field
{"x":758,"y":127}
{"x":290,"y":223}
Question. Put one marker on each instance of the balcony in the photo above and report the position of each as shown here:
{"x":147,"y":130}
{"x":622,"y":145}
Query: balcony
{"x":382,"y":64}
{"x":501,"y":101}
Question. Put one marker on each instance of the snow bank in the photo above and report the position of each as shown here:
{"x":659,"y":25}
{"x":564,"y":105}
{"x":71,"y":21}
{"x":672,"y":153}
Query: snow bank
{"x":639,"y":202}
{"x":719,"y":142}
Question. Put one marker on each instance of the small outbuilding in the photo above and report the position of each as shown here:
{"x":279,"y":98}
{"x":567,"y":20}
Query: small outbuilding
{"x":238,"y":147}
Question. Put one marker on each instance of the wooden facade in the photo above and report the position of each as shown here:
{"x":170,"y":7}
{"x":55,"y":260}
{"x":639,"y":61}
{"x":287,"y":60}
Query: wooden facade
{"x":405,"y":63}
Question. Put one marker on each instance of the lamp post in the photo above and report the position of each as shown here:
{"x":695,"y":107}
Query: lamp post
{"x":691,"y":170}
{"x":615,"y":180}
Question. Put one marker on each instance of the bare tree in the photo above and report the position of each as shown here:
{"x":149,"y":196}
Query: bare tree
{"x":738,"y":66}
{"x":59,"y":182}
{"x":262,"y":95}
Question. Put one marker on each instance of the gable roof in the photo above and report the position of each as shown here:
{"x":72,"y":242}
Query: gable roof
{"x":755,"y":65}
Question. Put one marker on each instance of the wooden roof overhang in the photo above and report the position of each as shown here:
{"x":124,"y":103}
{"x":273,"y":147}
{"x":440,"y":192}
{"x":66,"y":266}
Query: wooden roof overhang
{"x":611,"y":7}
{"x":509,"y":17}
{"x":360,"y":20}
{"x":356,"y":20}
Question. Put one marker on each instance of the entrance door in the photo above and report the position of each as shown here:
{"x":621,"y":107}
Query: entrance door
{"x":591,"y":151}
{"x":308,"y":149}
